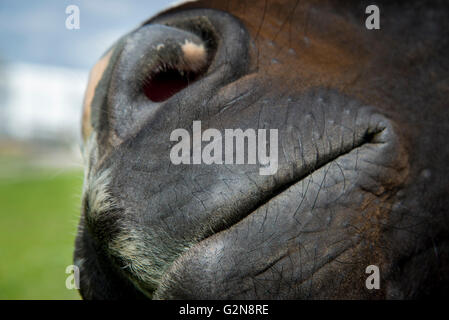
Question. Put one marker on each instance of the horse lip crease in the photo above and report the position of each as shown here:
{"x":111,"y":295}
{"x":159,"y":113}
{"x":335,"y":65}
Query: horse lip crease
{"x":283,"y":188}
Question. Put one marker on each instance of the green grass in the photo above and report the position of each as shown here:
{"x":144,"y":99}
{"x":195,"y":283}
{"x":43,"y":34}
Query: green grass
{"x":39,"y":212}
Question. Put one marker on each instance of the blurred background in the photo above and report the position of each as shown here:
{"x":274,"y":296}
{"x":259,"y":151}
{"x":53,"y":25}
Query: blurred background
{"x":44,"y":69}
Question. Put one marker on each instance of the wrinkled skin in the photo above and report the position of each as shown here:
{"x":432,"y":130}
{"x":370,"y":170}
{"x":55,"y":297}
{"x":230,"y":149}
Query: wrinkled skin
{"x":363,"y":128}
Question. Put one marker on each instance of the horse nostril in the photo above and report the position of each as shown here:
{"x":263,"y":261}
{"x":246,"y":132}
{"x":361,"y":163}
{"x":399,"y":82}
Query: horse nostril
{"x":172,"y":77}
{"x":164,"y":84}
{"x":180,"y":57}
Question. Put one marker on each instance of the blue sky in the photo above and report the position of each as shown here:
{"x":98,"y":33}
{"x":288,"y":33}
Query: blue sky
{"x":44,"y":66}
{"x":35,"y":32}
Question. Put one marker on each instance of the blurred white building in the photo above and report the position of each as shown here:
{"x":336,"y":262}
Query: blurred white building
{"x":41,"y":102}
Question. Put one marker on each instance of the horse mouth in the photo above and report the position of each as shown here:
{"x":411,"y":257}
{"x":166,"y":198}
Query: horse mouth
{"x":368,"y":138}
{"x":284,"y":225}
